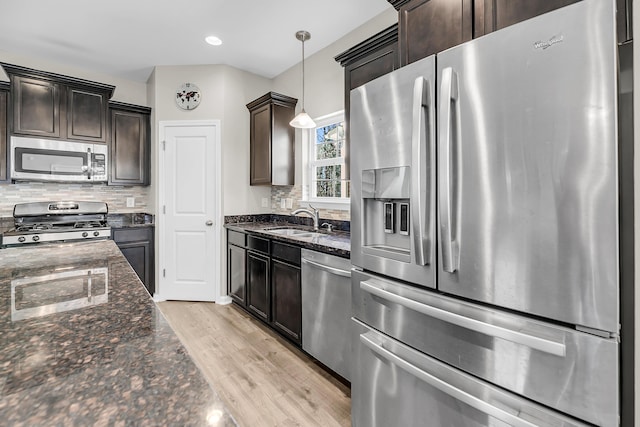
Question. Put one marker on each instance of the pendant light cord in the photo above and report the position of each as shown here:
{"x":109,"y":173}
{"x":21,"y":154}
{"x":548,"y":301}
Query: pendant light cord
{"x":303,"y":38}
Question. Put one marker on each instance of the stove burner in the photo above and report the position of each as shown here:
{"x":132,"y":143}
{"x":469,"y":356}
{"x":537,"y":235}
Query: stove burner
{"x":33,"y":227}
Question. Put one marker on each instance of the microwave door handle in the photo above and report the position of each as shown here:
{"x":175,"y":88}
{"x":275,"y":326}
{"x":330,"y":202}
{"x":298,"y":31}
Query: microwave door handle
{"x":449,"y":95}
{"x":421,"y":129}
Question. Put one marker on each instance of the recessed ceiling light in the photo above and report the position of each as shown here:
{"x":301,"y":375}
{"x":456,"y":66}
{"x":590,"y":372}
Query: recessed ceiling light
{"x":213,"y":40}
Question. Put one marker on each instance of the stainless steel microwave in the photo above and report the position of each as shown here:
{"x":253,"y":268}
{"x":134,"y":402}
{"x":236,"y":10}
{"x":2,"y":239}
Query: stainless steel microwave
{"x":37,"y":159}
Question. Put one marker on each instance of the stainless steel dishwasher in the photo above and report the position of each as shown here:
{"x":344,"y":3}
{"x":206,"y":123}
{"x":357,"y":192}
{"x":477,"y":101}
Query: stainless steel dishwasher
{"x":326,"y":310}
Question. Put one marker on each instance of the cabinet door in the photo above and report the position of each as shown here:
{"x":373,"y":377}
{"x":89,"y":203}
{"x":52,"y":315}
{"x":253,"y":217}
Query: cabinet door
{"x":130,"y":146}
{"x":502,"y":13}
{"x":260,"y":146}
{"x":4,"y":99}
{"x":287,"y":302}
{"x":431,"y":26}
{"x":36,"y":107}
{"x":136,"y":244}
{"x":258,"y":285}
{"x":236,"y":274}
{"x":86,"y":115}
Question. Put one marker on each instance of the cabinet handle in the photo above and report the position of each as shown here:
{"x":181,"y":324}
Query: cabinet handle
{"x":209,"y":223}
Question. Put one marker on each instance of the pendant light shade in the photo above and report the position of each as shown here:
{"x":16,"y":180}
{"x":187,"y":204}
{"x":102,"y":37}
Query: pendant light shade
{"x":302,"y":120}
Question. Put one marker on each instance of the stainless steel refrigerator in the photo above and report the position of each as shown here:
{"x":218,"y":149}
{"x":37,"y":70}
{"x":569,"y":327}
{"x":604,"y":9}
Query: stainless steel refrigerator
{"x":485,"y":231}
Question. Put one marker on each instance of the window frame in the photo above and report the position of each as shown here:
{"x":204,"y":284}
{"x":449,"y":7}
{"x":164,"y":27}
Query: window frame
{"x":309,"y":142}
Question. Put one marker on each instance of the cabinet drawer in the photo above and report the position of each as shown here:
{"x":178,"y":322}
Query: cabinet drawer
{"x":132,"y":234}
{"x":236,"y":238}
{"x":258,"y":244}
{"x":286,"y":252}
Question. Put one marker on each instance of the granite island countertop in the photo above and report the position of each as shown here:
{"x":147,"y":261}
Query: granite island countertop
{"x":334,"y":243}
{"x":115,"y":361}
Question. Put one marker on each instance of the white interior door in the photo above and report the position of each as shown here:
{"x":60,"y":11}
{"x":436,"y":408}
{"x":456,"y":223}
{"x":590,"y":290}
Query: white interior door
{"x":189,"y":210}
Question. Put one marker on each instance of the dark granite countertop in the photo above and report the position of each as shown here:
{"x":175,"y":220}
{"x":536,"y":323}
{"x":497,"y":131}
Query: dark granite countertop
{"x":122,"y":220}
{"x":334,"y":243}
{"x":105,"y":355}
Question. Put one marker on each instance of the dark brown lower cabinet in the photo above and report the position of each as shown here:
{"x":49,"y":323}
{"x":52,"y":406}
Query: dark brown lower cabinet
{"x":286,"y":307}
{"x":264,"y":278}
{"x":136,"y":244}
{"x":236,"y":274}
{"x":258,"y":285}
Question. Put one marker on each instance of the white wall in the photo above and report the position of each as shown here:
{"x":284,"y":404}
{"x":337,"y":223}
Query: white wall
{"x":225,"y":93}
{"x":324,"y":77}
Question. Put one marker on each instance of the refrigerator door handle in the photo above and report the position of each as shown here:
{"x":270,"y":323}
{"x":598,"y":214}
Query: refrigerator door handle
{"x":449,"y":95}
{"x":544,"y":345}
{"x":422,"y":128}
{"x":506,"y":415}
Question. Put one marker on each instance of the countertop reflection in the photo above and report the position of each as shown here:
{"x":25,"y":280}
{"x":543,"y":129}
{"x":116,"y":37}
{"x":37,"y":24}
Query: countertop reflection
{"x":82,"y":343}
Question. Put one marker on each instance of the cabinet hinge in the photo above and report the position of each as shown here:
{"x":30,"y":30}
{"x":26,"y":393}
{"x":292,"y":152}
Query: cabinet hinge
{"x":164,"y":209}
{"x":164,"y":272}
{"x":164,"y":145}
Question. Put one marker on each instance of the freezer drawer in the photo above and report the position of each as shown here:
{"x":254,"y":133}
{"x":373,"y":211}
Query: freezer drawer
{"x":573,"y":372}
{"x":394,"y":385}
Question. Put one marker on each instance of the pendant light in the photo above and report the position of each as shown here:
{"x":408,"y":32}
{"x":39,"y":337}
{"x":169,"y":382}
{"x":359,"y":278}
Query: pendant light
{"x":302,"y":120}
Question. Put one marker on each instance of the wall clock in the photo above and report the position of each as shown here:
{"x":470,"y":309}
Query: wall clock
{"x":188,"y":96}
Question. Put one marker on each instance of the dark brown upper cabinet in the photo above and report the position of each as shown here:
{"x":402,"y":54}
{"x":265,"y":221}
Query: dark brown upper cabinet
{"x":497,"y":14}
{"x":56,"y":106}
{"x":4,"y":131}
{"x":431,"y":26}
{"x":368,"y":60}
{"x":427,"y":27}
{"x":130,"y":144}
{"x":271,"y":140}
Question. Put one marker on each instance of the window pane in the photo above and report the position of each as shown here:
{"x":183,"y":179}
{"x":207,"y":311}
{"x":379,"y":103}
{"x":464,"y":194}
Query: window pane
{"x":324,"y":188}
{"x":327,"y":150}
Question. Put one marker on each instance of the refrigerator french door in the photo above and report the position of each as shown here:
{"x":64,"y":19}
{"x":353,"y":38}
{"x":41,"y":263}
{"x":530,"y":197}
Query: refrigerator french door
{"x":504,"y":152}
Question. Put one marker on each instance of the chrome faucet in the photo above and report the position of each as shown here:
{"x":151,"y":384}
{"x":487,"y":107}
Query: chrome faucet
{"x":315,"y":214}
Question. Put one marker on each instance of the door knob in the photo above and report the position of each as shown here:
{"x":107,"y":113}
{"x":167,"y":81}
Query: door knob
{"x":209,"y":223}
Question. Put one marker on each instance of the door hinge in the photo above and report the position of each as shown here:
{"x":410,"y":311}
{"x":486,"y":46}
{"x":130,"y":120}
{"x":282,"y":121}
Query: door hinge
{"x":164,"y":272}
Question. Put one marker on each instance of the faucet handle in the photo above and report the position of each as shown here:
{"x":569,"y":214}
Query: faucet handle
{"x":315,"y":210}
{"x":328,"y":226}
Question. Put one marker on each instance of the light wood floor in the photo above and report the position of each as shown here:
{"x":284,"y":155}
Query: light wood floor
{"x":263,"y":380}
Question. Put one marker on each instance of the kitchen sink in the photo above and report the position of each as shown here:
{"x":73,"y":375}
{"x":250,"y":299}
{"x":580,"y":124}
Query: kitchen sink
{"x":294,"y":232}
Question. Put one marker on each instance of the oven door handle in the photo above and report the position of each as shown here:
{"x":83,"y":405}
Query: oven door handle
{"x":443,"y":386}
{"x":534,"y":342}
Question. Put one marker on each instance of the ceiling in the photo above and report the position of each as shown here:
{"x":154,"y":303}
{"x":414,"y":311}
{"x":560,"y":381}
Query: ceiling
{"x":127,"y":38}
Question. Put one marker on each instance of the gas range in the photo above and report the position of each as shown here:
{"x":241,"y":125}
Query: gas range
{"x":42,"y":222}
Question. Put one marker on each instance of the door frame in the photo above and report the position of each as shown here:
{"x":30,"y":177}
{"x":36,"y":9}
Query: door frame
{"x":220,"y":294}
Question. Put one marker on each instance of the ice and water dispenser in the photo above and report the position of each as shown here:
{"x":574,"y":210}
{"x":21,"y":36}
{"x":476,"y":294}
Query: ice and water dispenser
{"x":386,"y":212}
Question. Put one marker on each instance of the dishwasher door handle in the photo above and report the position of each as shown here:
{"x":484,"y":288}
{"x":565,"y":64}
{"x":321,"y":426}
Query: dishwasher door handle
{"x":332,"y":270}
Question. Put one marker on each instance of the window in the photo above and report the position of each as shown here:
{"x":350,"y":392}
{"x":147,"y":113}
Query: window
{"x":326,"y":160}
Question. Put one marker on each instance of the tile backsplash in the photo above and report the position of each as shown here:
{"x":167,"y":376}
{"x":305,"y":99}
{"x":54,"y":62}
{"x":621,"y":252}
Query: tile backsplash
{"x":114,"y":196}
{"x":294,"y":192}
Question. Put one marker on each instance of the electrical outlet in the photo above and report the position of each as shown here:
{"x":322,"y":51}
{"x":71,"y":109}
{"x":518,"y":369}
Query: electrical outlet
{"x":283,"y":203}
{"x":289,"y":203}
{"x":265,"y":202}
{"x":131,"y":202}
